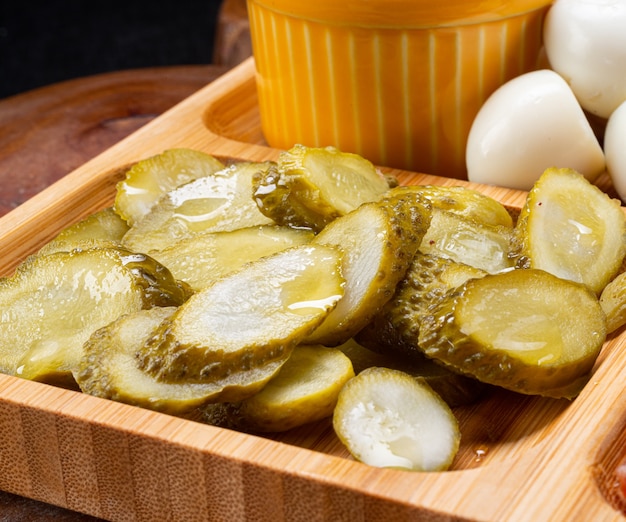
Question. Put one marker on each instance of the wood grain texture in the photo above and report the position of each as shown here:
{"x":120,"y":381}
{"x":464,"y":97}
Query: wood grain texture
{"x":48,"y":132}
{"x":521,"y":458}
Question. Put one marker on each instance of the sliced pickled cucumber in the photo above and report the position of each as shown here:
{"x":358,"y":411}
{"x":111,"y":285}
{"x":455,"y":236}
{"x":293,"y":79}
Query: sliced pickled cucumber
{"x":109,"y":369}
{"x":454,"y":388}
{"x":469,"y":242}
{"x":379,"y":241}
{"x":310,"y":187}
{"x":218,"y":202}
{"x":388,"y":419}
{"x":613,"y":302}
{"x":149,"y":179}
{"x":202,"y":259}
{"x":525,"y":330}
{"x":465,"y":202}
{"x":395,"y":328}
{"x":572,"y":229}
{"x":102,"y":228}
{"x":247,"y":319}
{"x":53,"y":303}
{"x":304,"y":390}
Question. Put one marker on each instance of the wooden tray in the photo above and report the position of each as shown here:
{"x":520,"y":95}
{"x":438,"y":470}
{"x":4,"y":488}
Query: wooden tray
{"x":522,"y":458}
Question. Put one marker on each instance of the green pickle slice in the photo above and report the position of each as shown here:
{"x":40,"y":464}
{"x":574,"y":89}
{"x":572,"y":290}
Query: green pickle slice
{"x":109,"y":369}
{"x":572,"y":229}
{"x":53,"y":303}
{"x":147,"y":180}
{"x":202,"y":259}
{"x":249,"y":318}
{"x":304,"y":390}
{"x":466,"y":241}
{"x":218,"y":202}
{"x":525,"y":330}
{"x":379,"y":240}
{"x":102,"y":228}
{"x":613,"y":302}
{"x":464,"y":202}
{"x":310,"y":187}
{"x":395,"y":328}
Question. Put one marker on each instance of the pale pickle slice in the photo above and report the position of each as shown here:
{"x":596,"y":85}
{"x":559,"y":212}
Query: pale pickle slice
{"x":221,"y":201}
{"x":464,"y":202}
{"x":102,"y":228}
{"x":108,"y":369}
{"x":252,"y":317}
{"x":469,"y":242}
{"x":525,"y":330}
{"x":147,"y":180}
{"x":310,"y":187}
{"x":202,"y":259}
{"x":304,"y":390}
{"x":379,"y":240}
{"x":613,"y":302}
{"x":388,"y":419}
{"x":53,"y":303}
{"x":454,"y":388}
{"x":572,"y":229}
{"x":395,"y":328}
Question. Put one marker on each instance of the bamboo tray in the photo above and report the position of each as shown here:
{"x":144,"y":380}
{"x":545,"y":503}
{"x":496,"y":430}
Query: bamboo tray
{"x":521,"y":458}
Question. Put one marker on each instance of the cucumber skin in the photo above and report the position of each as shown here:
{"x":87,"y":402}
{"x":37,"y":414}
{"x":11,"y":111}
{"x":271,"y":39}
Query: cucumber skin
{"x":441,"y":338}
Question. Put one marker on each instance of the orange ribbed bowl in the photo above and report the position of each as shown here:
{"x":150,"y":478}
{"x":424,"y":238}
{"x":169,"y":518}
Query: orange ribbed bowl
{"x":397,"y":81}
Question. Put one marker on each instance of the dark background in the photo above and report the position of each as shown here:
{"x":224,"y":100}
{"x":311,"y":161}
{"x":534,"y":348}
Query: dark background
{"x":48,"y":41}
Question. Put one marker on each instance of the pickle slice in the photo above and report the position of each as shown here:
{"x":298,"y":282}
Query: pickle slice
{"x":53,"y":303}
{"x":149,"y":179}
{"x":379,"y":240}
{"x":464,"y":202}
{"x":613,"y":302}
{"x":386,"y":418}
{"x":525,"y":330}
{"x":249,"y":318}
{"x":469,"y":242}
{"x":304,"y":390}
{"x":108,"y":369}
{"x":202,"y":259}
{"x":102,"y":228}
{"x":395,"y":328}
{"x":310,"y":187}
{"x":572,"y":229}
{"x":218,"y":202}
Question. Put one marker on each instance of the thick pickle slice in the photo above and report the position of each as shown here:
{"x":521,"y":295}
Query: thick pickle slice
{"x":310,"y":187}
{"x":304,"y":390}
{"x":572,"y":229}
{"x":219,"y":202}
{"x":149,"y":179}
{"x":388,"y":419}
{"x":613,"y":302}
{"x":464,"y":202}
{"x":395,"y":328}
{"x":53,"y":303}
{"x":525,"y":330}
{"x":202,"y":259}
{"x":379,"y":240}
{"x":108,"y":369}
{"x":102,"y":228}
{"x":247,"y":319}
{"x":470,"y":242}
{"x":454,"y":388}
